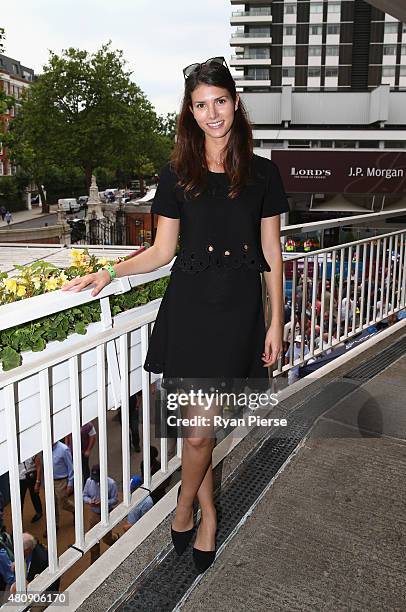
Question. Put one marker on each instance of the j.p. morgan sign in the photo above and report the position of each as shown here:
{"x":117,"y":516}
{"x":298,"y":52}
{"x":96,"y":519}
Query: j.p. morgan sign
{"x":342,"y":171}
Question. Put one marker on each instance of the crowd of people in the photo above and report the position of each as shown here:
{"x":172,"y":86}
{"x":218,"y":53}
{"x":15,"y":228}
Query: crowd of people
{"x":31,"y":480}
{"x":340,"y":312}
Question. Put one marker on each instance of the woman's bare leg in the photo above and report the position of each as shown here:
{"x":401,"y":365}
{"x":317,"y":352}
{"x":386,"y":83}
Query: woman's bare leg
{"x":197,"y":477}
{"x":196,"y":468}
{"x":205,"y":537}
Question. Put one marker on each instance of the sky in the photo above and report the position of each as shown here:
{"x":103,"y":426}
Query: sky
{"x":158,"y":38}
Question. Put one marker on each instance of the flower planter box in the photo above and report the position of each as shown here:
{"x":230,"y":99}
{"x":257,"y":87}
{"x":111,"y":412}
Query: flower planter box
{"x":55,"y":358}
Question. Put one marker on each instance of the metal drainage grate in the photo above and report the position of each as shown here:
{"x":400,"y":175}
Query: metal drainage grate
{"x":374,"y":366}
{"x":164,"y":586}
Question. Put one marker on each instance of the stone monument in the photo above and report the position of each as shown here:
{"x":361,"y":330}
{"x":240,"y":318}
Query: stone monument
{"x":94,"y":204}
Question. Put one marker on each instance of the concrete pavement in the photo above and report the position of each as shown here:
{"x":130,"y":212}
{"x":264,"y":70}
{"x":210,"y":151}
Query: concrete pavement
{"x":330,"y":533}
{"x":27,"y":215}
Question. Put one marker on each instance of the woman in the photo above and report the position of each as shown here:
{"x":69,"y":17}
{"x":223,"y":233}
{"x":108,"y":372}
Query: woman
{"x":210,"y":328}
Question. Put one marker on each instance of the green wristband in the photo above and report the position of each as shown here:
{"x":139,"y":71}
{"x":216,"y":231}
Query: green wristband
{"x":110,"y":270}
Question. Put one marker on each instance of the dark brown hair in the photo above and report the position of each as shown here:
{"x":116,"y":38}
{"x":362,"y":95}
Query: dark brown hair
{"x":188,"y":156}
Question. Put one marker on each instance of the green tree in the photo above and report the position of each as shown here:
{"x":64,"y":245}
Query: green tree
{"x":167,"y":125}
{"x":85,"y":111}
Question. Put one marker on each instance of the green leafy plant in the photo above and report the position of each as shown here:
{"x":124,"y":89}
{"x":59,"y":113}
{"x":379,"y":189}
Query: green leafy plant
{"x":35,"y":335}
{"x":42,"y":277}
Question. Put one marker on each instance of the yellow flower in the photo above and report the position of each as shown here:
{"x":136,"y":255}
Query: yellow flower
{"x":78,"y":256}
{"x":102,"y":262}
{"x":11,"y":285}
{"x":62,"y":278}
{"x":21,"y":290}
{"x":51,"y":283}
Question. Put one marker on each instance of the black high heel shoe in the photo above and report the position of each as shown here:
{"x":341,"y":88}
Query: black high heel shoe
{"x":181,"y":539}
{"x":204,"y":558}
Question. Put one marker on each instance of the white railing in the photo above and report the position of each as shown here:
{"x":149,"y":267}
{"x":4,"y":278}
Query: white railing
{"x":68,"y":384}
{"x":340,"y":291}
{"x":54,"y":392}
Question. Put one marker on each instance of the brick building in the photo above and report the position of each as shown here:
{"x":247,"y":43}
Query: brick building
{"x":14,"y":78}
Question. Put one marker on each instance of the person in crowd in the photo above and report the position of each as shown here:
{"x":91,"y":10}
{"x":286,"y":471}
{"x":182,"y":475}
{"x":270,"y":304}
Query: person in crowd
{"x":160,"y":491}
{"x":91,"y":497}
{"x":141,"y":508}
{"x":287,"y":310}
{"x":88,"y":437}
{"x":293,"y":373}
{"x":30,"y":478}
{"x":36,"y":560}
{"x":7,"y":577}
{"x":63,"y":480}
{"x":8,"y":217}
{"x":134,"y":405}
{"x":134,"y":408}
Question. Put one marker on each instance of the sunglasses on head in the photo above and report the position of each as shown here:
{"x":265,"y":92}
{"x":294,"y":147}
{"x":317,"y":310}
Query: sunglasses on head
{"x":215,"y":60}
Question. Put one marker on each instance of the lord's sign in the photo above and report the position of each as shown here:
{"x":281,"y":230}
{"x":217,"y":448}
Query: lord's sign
{"x":341,"y":171}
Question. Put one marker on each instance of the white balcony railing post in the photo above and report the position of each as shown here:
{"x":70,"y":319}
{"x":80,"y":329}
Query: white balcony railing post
{"x":77,"y":451}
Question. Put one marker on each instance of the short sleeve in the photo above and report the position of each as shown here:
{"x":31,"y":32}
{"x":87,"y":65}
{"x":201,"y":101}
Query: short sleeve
{"x":165,"y":202}
{"x":275,"y":200}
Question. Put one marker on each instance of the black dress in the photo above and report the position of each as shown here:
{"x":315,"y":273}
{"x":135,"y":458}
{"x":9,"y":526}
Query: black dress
{"x":210,"y":328}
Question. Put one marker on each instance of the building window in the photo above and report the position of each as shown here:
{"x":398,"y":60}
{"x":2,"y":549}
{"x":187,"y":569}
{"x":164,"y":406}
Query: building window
{"x":391,"y":28}
{"x":272,"y":144}
{"x":333,"y":28}
{"x":260,"y":31}
{"x":313,"y":50}
{"x":289,"y":51}
{"x":1,"y":168}
{"x":314,"y":72}
{"x":290,"y":9}
{"x":257,"y":53}
{"x":258,"y":74}
{"x":395,"y":144}
{"x":316,"y":8}
{"x":403,"y":50}
{"x":331,"y":71}
{"x":288,"y":73}
{"x":389,"y":49}
{"x":388,"y":71}
{"x":316,"y":30}
{"x":332,"y":50}
{"x":402,"y":71}
{"x":298,"y":143}
{"x":345,"y":144}
{"x":289,"y":30}
{"x":334,"y":8}
{"x":404,"y":28}
{"x":368,"y":144}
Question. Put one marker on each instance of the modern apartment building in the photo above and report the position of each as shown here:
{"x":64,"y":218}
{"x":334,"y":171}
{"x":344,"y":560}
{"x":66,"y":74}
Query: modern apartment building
{"x":317,"y":45}
{"x":14,"y":78}
{"x":317,"y":76}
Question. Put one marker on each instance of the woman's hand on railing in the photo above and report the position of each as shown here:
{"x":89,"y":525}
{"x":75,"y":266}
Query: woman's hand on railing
{"x":99,"y":279}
